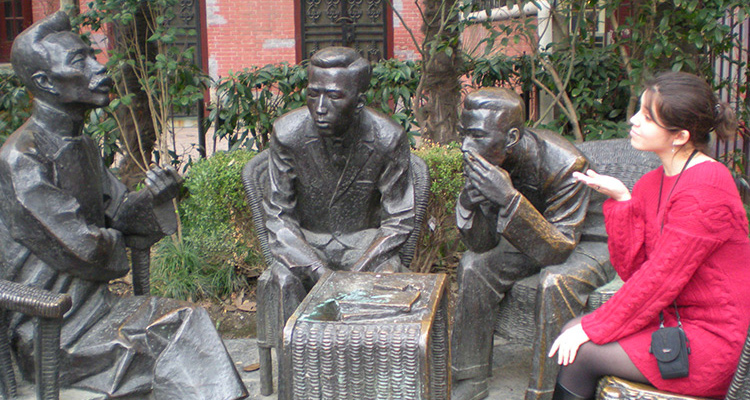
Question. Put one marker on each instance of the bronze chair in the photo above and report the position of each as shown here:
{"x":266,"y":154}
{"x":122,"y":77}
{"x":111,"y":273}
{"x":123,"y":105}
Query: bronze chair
{"x":617,"y":158}
{"x":614,"y":388}
{"x":49,"y":309}
{"x":272,"y":317}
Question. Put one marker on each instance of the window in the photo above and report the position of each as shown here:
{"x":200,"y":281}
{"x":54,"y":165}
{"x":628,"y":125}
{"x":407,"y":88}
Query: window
{"x":489,"y":4}
{"x":362,"y":25}
{"x":15,"y":16}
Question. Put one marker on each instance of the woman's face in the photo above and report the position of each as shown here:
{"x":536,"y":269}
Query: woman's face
{"x":647,"y":132}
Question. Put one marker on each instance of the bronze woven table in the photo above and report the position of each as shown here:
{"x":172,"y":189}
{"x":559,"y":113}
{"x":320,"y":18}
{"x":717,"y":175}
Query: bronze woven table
{"x":363,"y":335}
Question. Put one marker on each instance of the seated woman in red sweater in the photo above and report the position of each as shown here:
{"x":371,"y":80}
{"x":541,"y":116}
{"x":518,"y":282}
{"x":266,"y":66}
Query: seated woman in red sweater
{"x":680,"y":242}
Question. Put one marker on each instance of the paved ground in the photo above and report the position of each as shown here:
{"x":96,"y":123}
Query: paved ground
{"x":510,"y":374}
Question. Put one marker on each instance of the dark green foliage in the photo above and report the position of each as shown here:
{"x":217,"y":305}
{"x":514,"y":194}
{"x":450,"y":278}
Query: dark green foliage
{"x":15,"y":104}
{"x":440,"y":246}
{"x":219,"y":250}
{"x":393,"y":88}
{"x":598,"y":89}
{"x":502,"y":70}
{"x":249,"y":101}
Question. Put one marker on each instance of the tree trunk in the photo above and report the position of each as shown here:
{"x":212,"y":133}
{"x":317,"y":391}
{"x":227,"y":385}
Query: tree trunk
{"x":137,"y":132}
{"x":441,"y":86}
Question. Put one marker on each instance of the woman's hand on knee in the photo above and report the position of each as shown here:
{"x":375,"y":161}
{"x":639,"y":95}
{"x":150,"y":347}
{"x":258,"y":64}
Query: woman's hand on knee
{"x":566,"y":345}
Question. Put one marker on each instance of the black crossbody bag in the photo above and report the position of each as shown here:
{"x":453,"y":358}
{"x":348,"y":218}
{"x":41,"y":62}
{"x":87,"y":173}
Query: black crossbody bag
{"x":671,"y":347}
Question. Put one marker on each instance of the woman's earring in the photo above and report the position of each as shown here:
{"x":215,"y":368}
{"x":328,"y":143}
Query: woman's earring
{"x":673,"y":147}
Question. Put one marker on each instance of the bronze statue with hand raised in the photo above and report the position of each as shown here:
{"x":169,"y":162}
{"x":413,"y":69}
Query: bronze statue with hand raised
{"x":520,"y":210}
{"x":65,"y":223}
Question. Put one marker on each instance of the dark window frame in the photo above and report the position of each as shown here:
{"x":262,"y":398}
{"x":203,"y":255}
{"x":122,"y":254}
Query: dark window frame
{"x":20,"y":11}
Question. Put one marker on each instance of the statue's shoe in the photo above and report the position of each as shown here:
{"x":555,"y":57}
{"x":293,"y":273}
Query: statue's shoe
{"x":470,"y":389}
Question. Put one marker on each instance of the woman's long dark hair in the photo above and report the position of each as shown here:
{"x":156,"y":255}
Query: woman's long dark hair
{"x":678,"y":100}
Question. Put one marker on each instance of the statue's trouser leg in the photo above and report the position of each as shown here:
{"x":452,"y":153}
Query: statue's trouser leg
{"x":483,"y":279}
{"x":561,"y":295}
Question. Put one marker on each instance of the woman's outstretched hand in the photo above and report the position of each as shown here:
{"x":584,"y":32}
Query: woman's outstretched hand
{"x":566,"y":345}
{"x":606,"y":185}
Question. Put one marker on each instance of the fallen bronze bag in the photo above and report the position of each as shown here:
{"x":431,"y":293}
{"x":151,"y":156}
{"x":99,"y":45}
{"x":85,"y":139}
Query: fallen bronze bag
{"x":670,"y":346}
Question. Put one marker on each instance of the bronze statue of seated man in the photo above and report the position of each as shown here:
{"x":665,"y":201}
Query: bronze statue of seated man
{"x":341,"y":194}
{"x":65,"y":223}
{"x":338,"y":189}
{"x":520,"y":210}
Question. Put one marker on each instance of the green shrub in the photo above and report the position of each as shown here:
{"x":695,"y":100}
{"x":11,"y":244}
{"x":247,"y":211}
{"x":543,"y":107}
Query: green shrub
{"x":439,"y":245}
{"x":249,"y":102}
{"x":219,"y":250}
{"x":393,"y":87}
{"x":15,"y":104}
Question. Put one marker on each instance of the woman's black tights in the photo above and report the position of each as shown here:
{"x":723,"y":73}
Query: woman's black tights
{"x":594,"y":361}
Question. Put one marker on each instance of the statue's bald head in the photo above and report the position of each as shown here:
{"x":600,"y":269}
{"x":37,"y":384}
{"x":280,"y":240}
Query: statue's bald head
{"x":29,"y":53}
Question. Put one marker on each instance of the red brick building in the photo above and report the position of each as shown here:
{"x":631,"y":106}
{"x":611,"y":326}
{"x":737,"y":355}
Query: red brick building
{"x":242,"y":33}
{"x":237,"y":34}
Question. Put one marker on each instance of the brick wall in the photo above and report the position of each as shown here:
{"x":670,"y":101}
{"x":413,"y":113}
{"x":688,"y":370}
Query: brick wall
{"x":245,"y":33}
{"x":242,"y":33}
{"x":43,"y":8}
{"x":403,"y":44}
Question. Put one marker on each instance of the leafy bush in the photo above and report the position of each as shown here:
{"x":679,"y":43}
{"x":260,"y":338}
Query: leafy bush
{"x":598,"y":89}
{"x":439,"y":245}
{"x":393,"y":87}
{"x":219,"y":250}
{"x":501,"y":70}
{"x":15,"y":104}
{"x":249,"y":101}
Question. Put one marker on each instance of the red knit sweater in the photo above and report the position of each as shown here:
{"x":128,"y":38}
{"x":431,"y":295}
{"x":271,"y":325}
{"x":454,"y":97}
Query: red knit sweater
{"x":700,"y":259}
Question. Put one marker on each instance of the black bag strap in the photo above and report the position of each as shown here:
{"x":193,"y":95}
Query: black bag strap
{"x":676,"y":313}
{"x":661,"y":186}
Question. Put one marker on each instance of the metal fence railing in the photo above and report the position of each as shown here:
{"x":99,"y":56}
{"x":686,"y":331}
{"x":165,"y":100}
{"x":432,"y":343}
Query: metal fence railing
{"x":732,"y":67}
